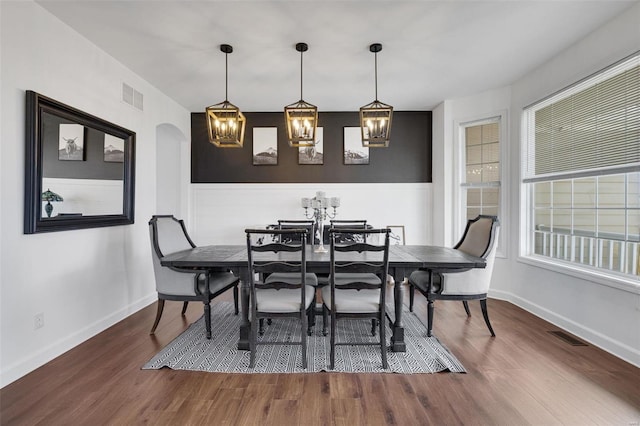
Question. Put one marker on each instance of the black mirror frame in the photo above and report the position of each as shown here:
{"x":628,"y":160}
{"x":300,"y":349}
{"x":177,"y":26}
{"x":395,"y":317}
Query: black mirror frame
{"x":33,"y":222}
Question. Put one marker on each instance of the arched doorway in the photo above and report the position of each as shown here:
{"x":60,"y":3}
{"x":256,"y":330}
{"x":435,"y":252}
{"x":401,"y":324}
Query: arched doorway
{"x":170,"y":148}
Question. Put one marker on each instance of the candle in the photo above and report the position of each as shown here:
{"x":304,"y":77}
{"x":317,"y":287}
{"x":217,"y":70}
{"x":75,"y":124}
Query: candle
{"x":324,"y":203}
{"x":306,"y":203}
{"x":335,"y":202}
{"x":320,"y":195}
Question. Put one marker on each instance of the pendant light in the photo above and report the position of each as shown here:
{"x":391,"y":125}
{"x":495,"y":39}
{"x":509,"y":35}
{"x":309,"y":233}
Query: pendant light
{"x":225,"y":121}
{"x":375,"y":118}
{"x":301,"y":117}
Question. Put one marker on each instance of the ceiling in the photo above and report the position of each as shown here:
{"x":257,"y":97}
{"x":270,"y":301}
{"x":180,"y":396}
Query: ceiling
{"x":432,"y":50}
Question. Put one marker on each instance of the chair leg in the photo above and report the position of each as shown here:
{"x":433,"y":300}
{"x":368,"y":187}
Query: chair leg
{"x":412,"y":292}
{"x":261,"y":329}
{"x":253,"y":341}
{"x":485,"y":314}
{"x":311,"y":316}
{"x":207,"y":318}
{"x":325,"y":319}
{"x":332,"y":356}
{"x":429,"y":317}
{"x":466,"y":307}
{"x":184,"y":307}
{"x":383,"y":342}
{"x":373,"y":327}
{"x":235,"y":299}
{"x":158,"y":315}
{"x":303,"y":338}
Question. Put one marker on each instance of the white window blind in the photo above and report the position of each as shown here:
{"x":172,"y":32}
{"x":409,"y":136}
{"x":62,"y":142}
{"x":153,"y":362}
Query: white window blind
{"x":591,"y":128}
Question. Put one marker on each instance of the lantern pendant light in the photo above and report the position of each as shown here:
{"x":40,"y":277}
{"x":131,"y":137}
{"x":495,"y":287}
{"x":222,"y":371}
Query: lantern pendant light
{"x":301,"y":117}
{"x":375,"y":118}
{"x":225,"y":121}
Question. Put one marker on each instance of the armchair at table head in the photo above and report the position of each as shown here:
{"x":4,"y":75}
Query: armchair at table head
{"x":169,"y":235}
{"x":297,"y":224}
{"x":480,"y":239}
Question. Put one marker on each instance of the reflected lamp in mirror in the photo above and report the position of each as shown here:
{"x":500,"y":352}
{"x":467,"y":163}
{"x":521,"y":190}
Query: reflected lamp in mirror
{"x":50,"y":196}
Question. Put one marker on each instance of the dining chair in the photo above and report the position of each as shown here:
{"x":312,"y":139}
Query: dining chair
{"x":169,"y":235}
{"x":480,"y":239}
{"x":357,"y":284}
{"x":298,"y":224}
{"x":273,"y":297}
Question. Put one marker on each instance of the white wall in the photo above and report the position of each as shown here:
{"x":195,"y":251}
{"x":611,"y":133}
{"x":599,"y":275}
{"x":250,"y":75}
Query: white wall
{"x":239,"y":206}
{"x":598,"y":310}
{"x":83,"y":280}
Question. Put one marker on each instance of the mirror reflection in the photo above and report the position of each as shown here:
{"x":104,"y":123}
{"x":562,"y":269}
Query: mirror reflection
{"x":82,"y":167}
{"x":79,"y":171}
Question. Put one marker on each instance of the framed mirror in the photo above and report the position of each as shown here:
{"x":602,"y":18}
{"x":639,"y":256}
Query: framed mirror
{"x":79,"y":169}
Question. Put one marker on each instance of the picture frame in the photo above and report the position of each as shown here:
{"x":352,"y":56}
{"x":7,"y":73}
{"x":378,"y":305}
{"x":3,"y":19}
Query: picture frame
{"x":396,"y":236}
{"x":353,"y":151}
{"x":265,"y":146}
{"x":313,"y":154}
{"x":71,"y":142}
{"x":113,"y":149}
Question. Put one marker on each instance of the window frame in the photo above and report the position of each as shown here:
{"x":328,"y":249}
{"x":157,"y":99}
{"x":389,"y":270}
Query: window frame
{"x":619,"y":280}
{"x":500,"y":117}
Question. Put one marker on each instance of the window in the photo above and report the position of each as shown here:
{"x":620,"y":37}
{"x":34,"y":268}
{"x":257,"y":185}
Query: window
{"x":582,"y":173}
{"x":481,"y":175}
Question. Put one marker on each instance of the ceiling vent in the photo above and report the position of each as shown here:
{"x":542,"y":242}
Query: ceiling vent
{"x":132,"y":97}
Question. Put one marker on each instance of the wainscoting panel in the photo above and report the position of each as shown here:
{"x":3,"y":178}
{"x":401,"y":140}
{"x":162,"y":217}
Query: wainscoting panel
{"x":221,"y":212}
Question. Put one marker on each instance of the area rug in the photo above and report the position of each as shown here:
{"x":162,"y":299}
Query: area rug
{"x":191,"y":350}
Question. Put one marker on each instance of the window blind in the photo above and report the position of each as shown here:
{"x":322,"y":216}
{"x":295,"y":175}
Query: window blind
{"x":590,"y":128}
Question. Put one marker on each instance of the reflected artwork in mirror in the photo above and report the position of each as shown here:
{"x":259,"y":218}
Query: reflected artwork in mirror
{"x":87,"y":163}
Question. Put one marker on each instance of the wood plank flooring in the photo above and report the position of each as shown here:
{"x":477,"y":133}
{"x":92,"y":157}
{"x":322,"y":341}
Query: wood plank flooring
{"x":523,"y":376}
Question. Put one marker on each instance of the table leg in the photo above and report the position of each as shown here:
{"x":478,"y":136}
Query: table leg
{"x":245,"y":325}
{"x":397,"y":337}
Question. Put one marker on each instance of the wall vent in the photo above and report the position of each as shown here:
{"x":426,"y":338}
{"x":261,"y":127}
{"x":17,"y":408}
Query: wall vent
{"x":568,"y":338}
{"x":132,"y":97}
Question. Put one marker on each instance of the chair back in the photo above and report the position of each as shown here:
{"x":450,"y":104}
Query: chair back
{"x":296,"y":224}
{"x":267,"y":258}
{"x":169,"y":235}
{"x":481,"y":240}
{"x":342,"y":224}
{"x":477,"y":236}
{"x":372,"y":258}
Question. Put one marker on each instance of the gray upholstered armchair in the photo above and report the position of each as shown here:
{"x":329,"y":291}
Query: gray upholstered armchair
{"x":480,"y":239}
{"x":169,"y":235}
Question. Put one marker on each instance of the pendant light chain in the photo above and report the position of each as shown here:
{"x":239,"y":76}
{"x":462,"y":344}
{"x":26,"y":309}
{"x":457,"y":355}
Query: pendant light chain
{"x":226,"y":77}
{"x":376,"y":73}
{"x":301,"y":97}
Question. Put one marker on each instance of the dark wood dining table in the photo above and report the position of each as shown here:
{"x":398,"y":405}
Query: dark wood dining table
{"x":403,"y":259}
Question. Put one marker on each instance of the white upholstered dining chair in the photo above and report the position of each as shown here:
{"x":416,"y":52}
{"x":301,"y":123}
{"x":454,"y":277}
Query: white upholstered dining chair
{"x":169,"y":235}
{"x":480,"y":239}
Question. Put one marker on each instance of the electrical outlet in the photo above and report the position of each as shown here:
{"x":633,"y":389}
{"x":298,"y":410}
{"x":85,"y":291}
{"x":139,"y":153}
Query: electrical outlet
{"x":38,"y":321}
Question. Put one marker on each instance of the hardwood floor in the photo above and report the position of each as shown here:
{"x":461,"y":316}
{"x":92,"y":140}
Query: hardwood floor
{"x":523,"y":376}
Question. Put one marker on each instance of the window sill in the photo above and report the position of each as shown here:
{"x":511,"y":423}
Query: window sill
{"x":597,"y":276}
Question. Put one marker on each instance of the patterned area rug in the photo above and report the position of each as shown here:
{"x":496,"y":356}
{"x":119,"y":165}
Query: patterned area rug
{"x":192,"y":351}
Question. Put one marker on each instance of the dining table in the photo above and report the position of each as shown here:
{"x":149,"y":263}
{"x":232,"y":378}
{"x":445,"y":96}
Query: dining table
{"x":403,"y":259}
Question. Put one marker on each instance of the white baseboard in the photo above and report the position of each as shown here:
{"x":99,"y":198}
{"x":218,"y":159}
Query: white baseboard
{"x":46,"y":354}
{"x":614,"y":347}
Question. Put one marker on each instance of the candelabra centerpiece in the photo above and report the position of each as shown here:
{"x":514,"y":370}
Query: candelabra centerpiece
{"x":319,"y":213}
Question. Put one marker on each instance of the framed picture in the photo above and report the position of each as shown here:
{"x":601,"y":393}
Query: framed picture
{"x":71,"y":142}
{"x":396,"y":236}
{"x":265,"y":146}
{"x":313,"y":154}
{"x":113,"y":149}
{"x":354,"y":152}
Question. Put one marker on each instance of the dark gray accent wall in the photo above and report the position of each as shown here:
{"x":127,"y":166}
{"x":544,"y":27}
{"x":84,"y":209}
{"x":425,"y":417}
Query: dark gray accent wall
{"x":407,"y":159}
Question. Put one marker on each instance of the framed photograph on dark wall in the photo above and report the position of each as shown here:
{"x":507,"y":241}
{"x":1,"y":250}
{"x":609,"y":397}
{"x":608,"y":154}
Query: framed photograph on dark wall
{"x":113,"y":149}
{"x":265,"y":146}
{"x":313,"y":154}
{"x":354,"y":152}
{"x":71,"y":142}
